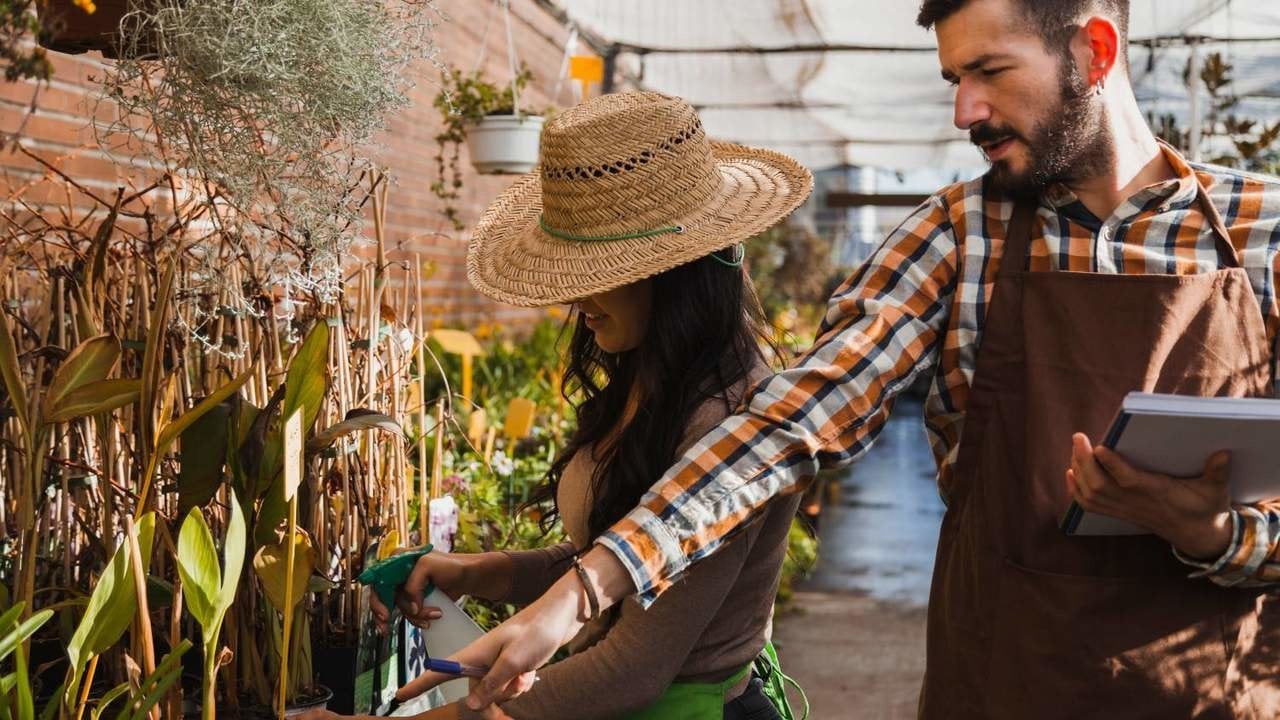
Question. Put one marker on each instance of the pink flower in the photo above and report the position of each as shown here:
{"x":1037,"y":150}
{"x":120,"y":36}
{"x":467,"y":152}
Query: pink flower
{"x":455,"y":484}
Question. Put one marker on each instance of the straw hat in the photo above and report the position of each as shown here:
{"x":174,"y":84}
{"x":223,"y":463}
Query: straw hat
{"x":629,"y":186}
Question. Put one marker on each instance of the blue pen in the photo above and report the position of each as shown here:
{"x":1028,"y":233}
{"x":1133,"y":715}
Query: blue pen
{"x":450,"y":667}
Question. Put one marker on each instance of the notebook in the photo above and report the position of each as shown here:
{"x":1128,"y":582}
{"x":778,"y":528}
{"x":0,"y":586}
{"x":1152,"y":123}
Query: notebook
{"x":1176,"y":434}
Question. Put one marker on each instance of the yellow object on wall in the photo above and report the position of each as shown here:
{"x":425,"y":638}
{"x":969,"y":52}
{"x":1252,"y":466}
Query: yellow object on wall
{"x":586,"y":69}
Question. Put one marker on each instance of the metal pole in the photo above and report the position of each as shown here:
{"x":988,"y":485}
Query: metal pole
{"x":1196,"y":114}
{"x":610,"y":67}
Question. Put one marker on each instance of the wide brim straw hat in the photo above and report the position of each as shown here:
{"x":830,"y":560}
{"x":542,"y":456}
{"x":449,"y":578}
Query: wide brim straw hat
{"x":628,"y":187}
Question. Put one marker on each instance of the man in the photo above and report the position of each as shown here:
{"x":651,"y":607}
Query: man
{"x":1089,"y":262}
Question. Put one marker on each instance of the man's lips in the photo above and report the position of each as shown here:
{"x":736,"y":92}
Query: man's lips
{"x":997,"y":149}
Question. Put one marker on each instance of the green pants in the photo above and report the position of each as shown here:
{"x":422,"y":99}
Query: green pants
{"x":705,"y":701}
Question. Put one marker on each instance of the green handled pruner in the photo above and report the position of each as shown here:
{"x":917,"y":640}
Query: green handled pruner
{"x":387,"y":575}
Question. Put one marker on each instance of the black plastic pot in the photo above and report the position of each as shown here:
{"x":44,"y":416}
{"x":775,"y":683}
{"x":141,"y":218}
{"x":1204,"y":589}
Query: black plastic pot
{"x":316,"y":699}
{"x":336,"y":669}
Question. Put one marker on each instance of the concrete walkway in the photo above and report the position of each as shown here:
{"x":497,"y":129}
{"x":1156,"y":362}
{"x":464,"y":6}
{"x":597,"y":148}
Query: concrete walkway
{"x":854,"y":638}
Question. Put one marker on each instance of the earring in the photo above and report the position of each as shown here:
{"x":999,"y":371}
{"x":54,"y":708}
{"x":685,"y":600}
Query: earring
{"x":1098,"y":87}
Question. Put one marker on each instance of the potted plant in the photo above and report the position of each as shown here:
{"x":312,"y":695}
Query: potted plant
{"x":19,"y":60}
{"x":500,"y":138}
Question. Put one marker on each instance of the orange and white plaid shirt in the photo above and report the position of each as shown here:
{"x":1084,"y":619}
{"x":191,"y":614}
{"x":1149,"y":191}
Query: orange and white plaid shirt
{"x":918,"y":306}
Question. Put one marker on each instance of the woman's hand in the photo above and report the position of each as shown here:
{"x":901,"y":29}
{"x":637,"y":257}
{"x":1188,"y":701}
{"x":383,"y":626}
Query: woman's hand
{"x":485,"y":575}
{"x":514,"y":649}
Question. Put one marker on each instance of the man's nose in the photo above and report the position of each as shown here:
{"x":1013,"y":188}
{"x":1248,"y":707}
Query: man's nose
{"x":971,"y":105}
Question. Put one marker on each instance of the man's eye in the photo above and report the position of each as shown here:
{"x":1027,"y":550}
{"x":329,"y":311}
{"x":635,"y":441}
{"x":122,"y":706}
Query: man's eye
{"x":992,"y":72}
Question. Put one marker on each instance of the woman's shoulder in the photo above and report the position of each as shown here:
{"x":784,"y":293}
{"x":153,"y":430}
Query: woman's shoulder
{"x":722,"y":403}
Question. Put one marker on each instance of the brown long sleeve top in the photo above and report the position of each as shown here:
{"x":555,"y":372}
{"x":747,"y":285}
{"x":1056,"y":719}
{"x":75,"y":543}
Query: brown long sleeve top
{"x":705,"y":629}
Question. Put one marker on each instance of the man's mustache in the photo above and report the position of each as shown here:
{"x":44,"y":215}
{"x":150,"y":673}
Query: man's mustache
{"x":987,"y":133}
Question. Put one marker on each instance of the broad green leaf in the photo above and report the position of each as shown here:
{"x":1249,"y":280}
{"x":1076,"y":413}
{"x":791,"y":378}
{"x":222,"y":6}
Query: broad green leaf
{"x":91,"y":361}
{"x":26,"y":703}
{"x":9,"y":619}
{"x":305,"y":386}
{"x":356,"y":420}
{"x":111,"y":607}
{"x":19,"y":635}
{"x":12,"y":376}
{"x":198,"y":566}
{"x":240,"y":426}
{"x":95,"y":397}
{"x":270,"y":564}
{"x":234,"y":550}
{"x":307,"y":380}
{"x":271,"y":512}
{"x":204,"y":452}
{"x":215,"y":398}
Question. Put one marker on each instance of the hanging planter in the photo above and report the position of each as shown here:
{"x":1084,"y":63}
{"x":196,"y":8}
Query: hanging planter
{"x":505,"y":144}
{"x":500,"y":134}
{"x":77,"y":26}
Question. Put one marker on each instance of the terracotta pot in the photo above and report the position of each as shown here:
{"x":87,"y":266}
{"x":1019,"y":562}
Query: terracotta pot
{"x":66,"y":28}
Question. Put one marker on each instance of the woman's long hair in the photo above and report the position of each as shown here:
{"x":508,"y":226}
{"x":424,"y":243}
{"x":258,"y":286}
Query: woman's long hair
{"x":705,"y":335}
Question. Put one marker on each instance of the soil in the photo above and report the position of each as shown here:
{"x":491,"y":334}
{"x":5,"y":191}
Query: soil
{"x":855,"y":657}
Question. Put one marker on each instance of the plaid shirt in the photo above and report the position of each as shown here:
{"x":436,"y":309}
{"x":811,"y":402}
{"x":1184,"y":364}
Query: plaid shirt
{"x":918,"y":306}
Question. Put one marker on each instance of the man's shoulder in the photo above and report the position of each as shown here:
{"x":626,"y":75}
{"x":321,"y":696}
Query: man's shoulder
{"x":1234,"y":190}
{"x":961,"y":194}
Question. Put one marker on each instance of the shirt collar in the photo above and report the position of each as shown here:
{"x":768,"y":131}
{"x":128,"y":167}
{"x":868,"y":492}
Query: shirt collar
{"x":1178,"y":191}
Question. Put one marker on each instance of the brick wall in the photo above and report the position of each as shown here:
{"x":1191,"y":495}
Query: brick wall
{"x":57,"y":129}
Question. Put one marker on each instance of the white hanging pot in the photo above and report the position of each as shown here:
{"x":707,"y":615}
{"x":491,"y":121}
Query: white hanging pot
{"x":505,"y":144}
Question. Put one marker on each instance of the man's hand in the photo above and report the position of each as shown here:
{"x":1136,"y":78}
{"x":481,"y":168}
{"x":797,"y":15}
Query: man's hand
{"x":1193,"y":514}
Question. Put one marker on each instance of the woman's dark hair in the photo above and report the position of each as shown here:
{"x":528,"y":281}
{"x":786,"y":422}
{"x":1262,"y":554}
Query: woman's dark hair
{"x":705,"y":335}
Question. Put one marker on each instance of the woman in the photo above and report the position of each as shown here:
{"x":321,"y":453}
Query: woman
{"x":637,"y":218}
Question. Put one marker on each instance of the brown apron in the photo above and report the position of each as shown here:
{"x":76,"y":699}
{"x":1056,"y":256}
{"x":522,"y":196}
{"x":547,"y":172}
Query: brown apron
{"x":1025,"y":622}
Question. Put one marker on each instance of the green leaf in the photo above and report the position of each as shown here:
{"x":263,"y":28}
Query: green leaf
{"x":95,"y":397}
{"x":26,"y":704}
{"x":111,"y":607}
{"x":307,"y":380}
{"x":112,"y":695}
{"x":187,"y":419}
{"x":240,"y":427}
{"x":19,"y":635}
{"x":91,"y":361}
{"x":234,"y":550}
{"x":356,"y":420}
{"x":271,"y":513}
{"x":270,"y":564}
{"x":204,"y":452}
{"x":198,"y":566}
{"x":12,"y":376}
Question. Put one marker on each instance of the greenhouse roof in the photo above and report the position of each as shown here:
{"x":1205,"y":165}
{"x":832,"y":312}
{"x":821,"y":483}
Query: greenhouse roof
{"x":856,"y":82}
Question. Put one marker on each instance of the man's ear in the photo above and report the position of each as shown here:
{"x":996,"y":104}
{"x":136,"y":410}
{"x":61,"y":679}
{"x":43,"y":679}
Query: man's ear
{"x":1103,"y":39}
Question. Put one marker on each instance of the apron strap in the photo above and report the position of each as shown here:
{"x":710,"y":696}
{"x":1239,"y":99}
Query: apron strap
{"x":1227,"y":254}
{"x":1017,"y":238}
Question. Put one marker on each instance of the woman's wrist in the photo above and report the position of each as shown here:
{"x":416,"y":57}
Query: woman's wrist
{"x":487,"y":575}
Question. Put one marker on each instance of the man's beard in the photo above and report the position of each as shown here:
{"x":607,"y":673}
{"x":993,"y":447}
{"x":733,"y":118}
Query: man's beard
{"x":1071,"y":144}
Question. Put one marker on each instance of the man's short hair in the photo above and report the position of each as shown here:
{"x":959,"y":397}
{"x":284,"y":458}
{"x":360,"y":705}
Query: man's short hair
{"x":1055,"y":21}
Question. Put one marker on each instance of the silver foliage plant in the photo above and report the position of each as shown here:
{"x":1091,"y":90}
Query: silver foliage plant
{"x":262,"y":111}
